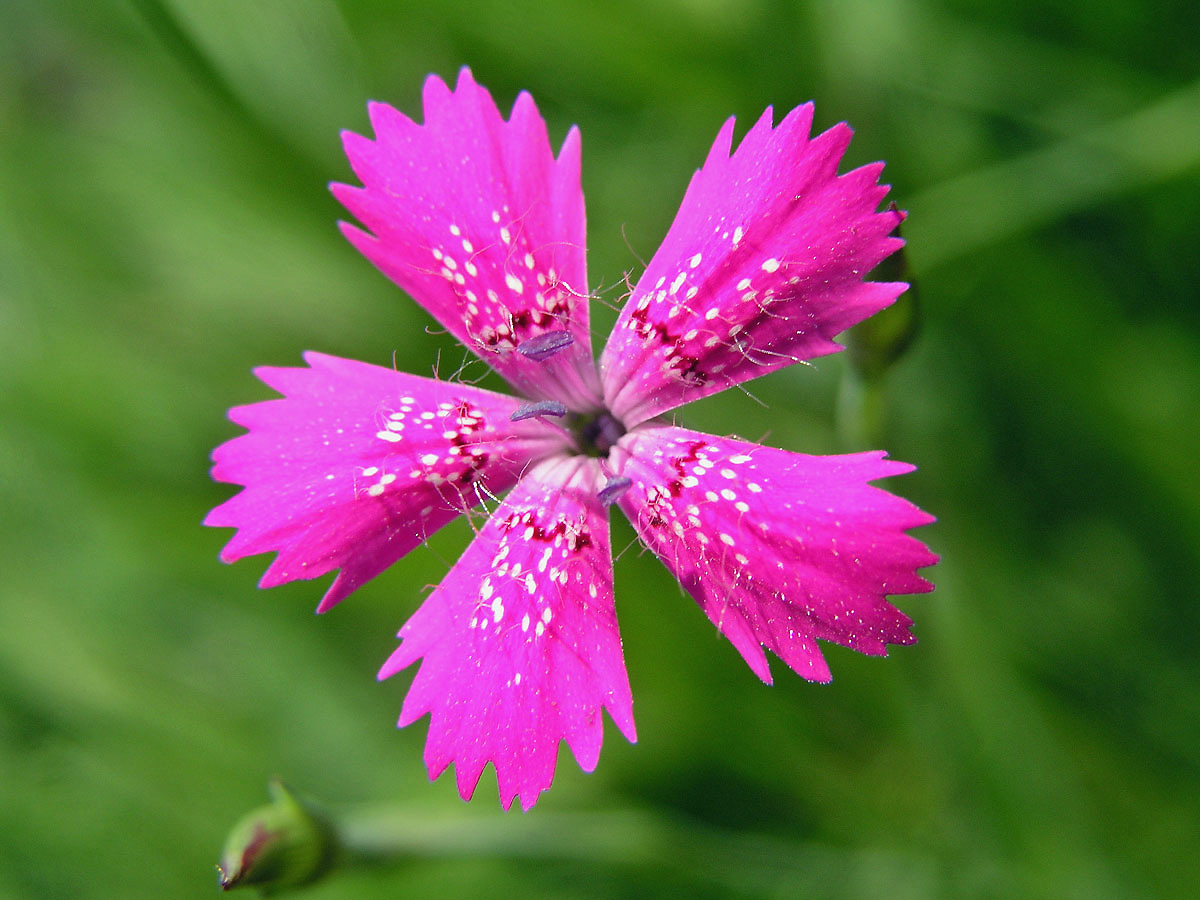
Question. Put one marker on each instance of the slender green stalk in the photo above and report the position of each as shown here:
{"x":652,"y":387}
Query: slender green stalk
{"x":290,"y":843}
{"x":861,"y":411}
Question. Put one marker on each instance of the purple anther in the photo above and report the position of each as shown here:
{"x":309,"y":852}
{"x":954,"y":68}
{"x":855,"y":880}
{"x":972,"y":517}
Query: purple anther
{"x":539,"y":408}
{"x":545,"y":345}
{"x":614,"y":489}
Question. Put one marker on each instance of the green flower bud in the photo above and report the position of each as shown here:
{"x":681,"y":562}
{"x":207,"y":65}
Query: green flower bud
{"x":877,"y":342}
{"x":284,"y":844}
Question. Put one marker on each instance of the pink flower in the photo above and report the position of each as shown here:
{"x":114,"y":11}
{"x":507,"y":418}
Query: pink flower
{"x":358,"y":464}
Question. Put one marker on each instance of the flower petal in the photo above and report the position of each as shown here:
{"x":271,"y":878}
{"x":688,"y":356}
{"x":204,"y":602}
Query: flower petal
{"x":778,"y":548}
{"x":476,"y":219}
{"x":520,"y":641}
{"x":358,"y":464}
{"x":762,"y":266}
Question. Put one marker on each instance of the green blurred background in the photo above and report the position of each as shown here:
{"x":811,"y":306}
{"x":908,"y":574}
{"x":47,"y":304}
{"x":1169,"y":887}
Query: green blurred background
{"x":165,"y":226}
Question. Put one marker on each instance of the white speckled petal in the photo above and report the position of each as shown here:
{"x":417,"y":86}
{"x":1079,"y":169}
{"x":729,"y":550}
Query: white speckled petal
{"x":477,"y":220}
{"x":762,"y":267}
{"x":519,"y":644}
{"x":779,"y":549}
{"x":358,"y":464}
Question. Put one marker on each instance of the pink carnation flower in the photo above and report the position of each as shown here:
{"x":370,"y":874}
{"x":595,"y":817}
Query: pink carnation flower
{"x":358,"y":464}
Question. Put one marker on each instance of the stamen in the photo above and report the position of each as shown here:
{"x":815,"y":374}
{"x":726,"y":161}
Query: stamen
{"x":539,"y":408}
{"x":614,"y":489}
{"x":545,"y":345}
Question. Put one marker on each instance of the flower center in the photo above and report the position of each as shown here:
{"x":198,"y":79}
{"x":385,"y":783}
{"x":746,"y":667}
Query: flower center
{"x":596,"y":432}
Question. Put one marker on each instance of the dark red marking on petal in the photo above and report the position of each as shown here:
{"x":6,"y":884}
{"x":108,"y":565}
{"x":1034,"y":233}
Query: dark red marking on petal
{"x":575,"y":535}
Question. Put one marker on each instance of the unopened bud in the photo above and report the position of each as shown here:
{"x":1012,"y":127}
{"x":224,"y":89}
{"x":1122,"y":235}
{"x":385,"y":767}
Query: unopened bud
{"x":875,"y":343}
{"x":284,"y":844}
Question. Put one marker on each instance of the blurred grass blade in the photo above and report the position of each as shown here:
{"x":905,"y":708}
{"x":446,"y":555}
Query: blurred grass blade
{"x":180,"y":44}
{"x":989,"y":205}
{"x":291,"y":66}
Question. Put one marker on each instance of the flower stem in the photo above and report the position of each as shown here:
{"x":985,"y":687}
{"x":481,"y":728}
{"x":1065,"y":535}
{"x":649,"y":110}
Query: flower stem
{"x":861,"y":411}
{"x":266,"y":850}
{"x":389,"y":833}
